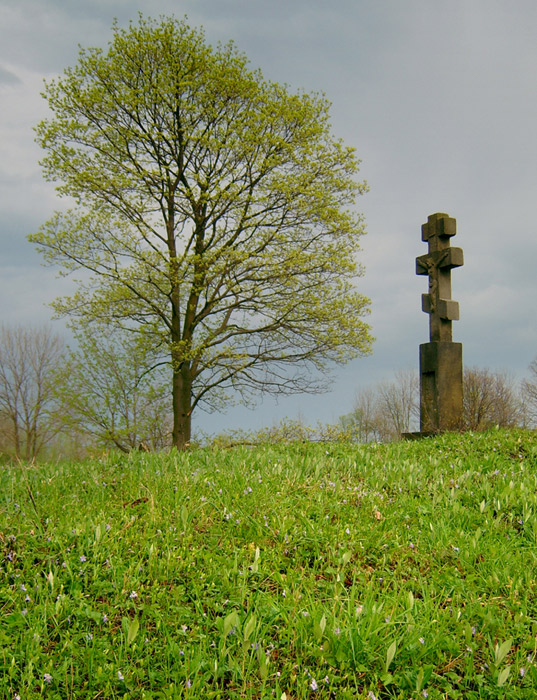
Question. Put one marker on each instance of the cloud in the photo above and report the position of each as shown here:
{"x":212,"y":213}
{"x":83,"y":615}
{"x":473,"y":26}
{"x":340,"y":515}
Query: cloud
{"x":7,"y":77}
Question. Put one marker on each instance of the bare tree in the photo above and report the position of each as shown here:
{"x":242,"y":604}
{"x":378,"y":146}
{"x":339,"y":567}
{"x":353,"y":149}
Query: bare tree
{"x":29,"y":358}
{"x":491,"y":398}
{"x":399,"y":403}
{"x":529,"y":392}
{"x":363,"y":421}
{"x":385,"y":411}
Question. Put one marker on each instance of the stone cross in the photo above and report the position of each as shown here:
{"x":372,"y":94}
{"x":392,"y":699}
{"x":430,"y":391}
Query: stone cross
{"x":440,"y":358}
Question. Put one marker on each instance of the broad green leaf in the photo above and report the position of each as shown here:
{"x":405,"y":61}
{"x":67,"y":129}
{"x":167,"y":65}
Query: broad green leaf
{"x":390,"y":654}
{"x":249,"y":627}
{"x":501,"y":651}
{"x":503,"y":676}
{"x":133,"y":629}
{"x":263,"y":664}
{"x":231,"y":622}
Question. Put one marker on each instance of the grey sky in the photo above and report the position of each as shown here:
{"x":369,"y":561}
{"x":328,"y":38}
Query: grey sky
{"x":439,"y":97}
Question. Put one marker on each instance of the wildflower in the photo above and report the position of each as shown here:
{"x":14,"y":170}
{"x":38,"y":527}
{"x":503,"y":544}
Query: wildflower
{"x":337,"y":631}
{"x":120,"y":676}
{"x":108,"y":527}
{"x":24,"y":612}
{"x":184,"y":628}
{"x":23,"y":587}
{"x":313,"y":684}
{"x":105,"y":618}
{"x":347,"y":531}
{"x":522,"y":672}
{"x":188,"y":683}
{"x":82,"y":558}
{"x":47,"y":678}
{"x":359,"y":609}
{"x":422,"y":641}
{"x":371,"y":695}
{"x":425,"y":694}
{"x":27,"y":598}
{"x":133,"y":595}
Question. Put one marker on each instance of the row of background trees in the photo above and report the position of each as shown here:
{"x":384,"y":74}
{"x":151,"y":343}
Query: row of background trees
{"x":57,"y":401}
{"x":491,"y":398}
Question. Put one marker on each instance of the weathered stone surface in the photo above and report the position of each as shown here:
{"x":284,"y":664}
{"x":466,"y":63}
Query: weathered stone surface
{"x":440,"y":359}
{"x":440,"y":386}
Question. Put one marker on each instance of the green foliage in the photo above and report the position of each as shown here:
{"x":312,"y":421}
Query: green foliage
{"x":214,"y":214}
{"x":286,"y":431}
{"x":297,"y":571}
{"x":109,"y":395}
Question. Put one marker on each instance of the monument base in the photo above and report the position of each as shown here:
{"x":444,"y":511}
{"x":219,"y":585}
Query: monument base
{"x":419,"y":435}
{"x":441,"y":405}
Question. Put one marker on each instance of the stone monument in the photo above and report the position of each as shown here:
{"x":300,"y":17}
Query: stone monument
{"x":440,"y":358}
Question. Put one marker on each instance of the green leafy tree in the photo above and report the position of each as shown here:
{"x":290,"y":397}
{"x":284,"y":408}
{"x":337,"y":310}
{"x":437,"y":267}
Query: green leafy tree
{"x":109,"y":395}
{"x":214,"y":215}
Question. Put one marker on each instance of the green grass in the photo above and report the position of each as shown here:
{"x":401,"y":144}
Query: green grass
{"x":286,"y":571}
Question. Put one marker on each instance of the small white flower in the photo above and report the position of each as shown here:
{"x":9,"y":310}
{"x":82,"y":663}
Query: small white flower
{"x":313,"y":684}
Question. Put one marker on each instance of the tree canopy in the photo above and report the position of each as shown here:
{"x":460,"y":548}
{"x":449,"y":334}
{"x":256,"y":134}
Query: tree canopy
{"x":213,"y":215}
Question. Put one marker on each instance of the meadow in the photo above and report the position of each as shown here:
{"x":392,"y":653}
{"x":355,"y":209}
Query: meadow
{"x":286,"y":571}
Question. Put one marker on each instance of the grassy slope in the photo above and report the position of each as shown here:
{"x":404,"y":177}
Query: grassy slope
{"x":299,"y":571}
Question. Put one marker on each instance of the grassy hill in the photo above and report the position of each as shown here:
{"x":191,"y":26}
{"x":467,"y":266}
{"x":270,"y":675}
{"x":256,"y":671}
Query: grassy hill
{"x":286,"y":571}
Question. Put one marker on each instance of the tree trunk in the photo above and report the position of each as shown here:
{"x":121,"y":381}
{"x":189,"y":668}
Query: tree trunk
{"x":182,"y":406}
